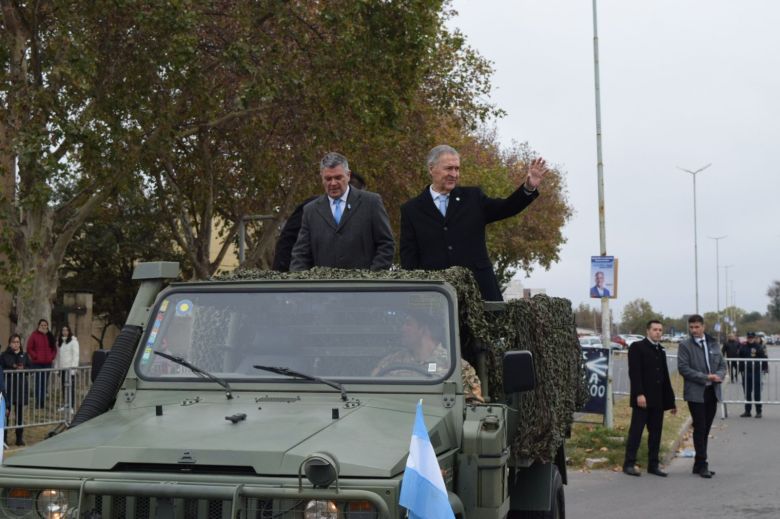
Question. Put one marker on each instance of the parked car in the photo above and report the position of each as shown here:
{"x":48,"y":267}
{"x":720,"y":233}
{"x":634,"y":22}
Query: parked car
{"x":620,"y":340}
{"x":594,"y":341}
{"x":629,"y":338}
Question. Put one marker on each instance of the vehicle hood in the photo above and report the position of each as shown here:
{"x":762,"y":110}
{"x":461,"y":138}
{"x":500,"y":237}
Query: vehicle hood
{"x":369,"y":439}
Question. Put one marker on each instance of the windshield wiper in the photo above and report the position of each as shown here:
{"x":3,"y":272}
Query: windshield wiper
{"x":198,"y":371}
{"x":297,"y":374}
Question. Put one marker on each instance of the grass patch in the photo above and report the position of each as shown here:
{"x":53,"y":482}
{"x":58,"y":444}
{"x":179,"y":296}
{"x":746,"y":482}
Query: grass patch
{"x":593,"y":440}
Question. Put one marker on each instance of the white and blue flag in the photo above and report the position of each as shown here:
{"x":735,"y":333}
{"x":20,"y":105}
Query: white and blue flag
{"x":423,"y":492}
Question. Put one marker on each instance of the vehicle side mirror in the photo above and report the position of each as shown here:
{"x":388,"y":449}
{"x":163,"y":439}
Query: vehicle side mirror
{"x":98,"y":358}
{"x":518,"y":372}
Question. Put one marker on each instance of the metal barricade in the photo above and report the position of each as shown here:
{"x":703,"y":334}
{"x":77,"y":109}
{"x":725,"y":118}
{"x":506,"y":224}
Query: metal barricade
{"x":733,"y":388}
{"x":37,"y":397}
{"x":621,"y":385}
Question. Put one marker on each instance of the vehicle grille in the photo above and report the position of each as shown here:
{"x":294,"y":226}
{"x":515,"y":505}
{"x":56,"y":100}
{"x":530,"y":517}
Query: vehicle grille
{"x":127,"y":507}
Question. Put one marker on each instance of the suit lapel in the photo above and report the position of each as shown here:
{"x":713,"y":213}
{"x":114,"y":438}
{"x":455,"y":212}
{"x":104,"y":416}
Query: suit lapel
{"x":455,"y":204}
{"x":427,"y":206}
{"x":322,"y":206}
{"x":353,"y":202}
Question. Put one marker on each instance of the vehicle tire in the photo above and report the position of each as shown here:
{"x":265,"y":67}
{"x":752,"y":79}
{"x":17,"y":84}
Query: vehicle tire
{"x":558,"y":509}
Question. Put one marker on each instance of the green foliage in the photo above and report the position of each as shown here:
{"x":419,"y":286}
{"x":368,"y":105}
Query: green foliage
{"x":103,"y":254}
{"x":636,"y":314}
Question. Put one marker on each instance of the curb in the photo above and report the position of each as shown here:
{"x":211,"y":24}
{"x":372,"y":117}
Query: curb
{"x":676,"y":445}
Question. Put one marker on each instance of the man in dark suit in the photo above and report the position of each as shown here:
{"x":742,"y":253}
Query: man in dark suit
{"x":344,"y":228}
{"x":291,"y":228}
{"x":702,"y":367}
{"x":445,"y":225}
{"x":651,"y":395}
{"x":599,"y":290}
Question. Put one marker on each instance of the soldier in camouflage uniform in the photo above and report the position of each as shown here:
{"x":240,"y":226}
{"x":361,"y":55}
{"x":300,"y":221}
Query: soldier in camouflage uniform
{"x":424,"y":355}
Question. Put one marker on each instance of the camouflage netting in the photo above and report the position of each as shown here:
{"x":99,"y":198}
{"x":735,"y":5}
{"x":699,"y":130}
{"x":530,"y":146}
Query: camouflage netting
{"x":544,"y":326}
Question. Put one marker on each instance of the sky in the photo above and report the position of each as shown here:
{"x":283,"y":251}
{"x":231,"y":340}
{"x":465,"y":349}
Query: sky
{"x":683,"y":84}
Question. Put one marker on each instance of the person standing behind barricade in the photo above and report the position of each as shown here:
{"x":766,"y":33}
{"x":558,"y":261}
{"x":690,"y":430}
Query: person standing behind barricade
{"x":731,"y":352}
{"x":702,"y":367}
{"x":651,"y":395}
{"x":751,"y":377}
{"x":12,"y":360}
{"x":42,"y":353}
{"x":67,"y":359}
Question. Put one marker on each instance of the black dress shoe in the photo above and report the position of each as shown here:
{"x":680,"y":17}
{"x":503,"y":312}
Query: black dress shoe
{"x":758,"y":415}
{"x":631,"y":471}
{"x":746,"y":414}
{"x":706,"y":473}
{"x":697,"y":469}
{"x":657,"y":472}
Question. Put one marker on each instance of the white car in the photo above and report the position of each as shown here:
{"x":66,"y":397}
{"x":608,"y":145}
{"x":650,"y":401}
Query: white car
{"x":629,"y":338}
{"x":594,"y":341}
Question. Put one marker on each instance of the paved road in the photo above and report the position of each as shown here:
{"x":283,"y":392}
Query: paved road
{"x":745,"y":453}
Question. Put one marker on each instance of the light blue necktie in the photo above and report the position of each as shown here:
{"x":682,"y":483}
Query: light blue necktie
{"x":443,"y":205}
{"x":337,"y":210}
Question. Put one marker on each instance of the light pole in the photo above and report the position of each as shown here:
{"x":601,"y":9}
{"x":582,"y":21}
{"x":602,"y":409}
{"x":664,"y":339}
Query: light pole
{"x":726,"y":287}
{"x":606,"y":328}
{"x":717,"y":278}
{"x":695,"y":231}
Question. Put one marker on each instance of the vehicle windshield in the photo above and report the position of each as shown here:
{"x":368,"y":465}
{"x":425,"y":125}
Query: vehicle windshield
{"x":357,"y":335}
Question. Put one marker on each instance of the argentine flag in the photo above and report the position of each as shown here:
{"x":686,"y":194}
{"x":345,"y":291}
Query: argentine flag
{"x":422,"y":489}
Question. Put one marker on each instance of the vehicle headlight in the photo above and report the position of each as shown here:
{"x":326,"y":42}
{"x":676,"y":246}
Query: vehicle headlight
{"x":53,"y":504}
{"x":318,"y":509}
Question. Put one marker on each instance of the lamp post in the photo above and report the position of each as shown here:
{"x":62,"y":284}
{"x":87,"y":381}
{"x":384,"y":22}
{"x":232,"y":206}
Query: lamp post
{"x":242,"y":233}
{"x":695,"y":232}
{"x":717,"y":279}
{"x":606,"y":328}
{"x":726,"y":287}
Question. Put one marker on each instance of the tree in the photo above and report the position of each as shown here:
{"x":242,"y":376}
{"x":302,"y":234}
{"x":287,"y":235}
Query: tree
{"x":636,"y":314}
{"x":774,"y":301}
{"x":104,"y":252}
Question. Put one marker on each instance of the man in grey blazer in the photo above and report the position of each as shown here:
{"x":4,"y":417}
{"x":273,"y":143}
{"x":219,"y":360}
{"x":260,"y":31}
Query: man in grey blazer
{"x":344,"y":228}
{"x":702,"y":367}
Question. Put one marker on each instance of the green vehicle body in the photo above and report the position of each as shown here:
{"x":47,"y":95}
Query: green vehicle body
{"x":173,"y":445}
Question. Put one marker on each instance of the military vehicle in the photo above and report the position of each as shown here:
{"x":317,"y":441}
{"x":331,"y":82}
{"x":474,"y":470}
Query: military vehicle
{"x":281,"y":399}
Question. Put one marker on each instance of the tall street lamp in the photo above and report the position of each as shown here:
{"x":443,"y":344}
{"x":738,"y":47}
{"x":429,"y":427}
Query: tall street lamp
{"x":726,"y":287}
{"x":695,"y":231}
{"x":717,"y":278}
{"x":606,"y":328}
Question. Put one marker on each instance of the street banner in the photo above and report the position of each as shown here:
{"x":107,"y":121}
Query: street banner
{"x":596,"y":369}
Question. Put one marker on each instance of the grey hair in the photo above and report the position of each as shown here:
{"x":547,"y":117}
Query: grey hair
{"x":438,"y":151}
{"x":333,"y":160}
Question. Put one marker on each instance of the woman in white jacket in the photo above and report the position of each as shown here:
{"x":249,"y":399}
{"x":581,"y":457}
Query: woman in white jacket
{"x":67,"y":357}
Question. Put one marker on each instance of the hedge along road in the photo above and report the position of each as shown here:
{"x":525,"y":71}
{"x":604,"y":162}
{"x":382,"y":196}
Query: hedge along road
{"x":742,"y":452}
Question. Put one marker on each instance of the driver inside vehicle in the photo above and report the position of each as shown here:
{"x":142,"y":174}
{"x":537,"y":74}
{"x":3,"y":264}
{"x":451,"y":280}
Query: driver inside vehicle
{"x":423,"y":355}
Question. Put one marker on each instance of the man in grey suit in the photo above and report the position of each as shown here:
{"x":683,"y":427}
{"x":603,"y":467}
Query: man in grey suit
{"x":344,"y":228}
{"x":702,"y":367}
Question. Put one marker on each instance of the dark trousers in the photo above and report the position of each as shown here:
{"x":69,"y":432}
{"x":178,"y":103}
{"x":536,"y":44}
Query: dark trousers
{"x":19,"y":421}
{"x":702,"y":414}
{"x":41,"y":384}
{"x":653,"y":418}
{"x":72,"y":401}
{"x":733,"y":370}
{"x":752,"y":384}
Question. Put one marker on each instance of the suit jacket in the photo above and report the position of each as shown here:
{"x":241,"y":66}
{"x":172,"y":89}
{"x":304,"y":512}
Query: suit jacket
{"x":287,"y":238}
{"x":594,"y":292}
{"x":649,"y":375}
{"x":693,"y":368}
{"x":431,"y":241}
{"x":362,"y":239}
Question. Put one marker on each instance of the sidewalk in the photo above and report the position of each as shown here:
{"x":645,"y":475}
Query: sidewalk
{"x":743,"y":453}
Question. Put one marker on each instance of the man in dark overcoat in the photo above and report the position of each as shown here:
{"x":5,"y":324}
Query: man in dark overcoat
{"x":445,"y":225}
{"x":651,"y":395}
